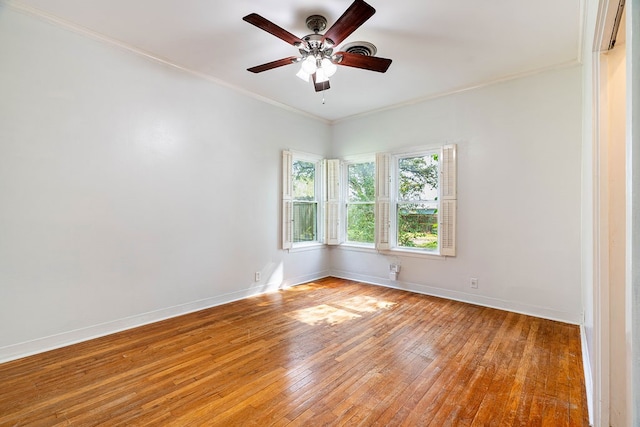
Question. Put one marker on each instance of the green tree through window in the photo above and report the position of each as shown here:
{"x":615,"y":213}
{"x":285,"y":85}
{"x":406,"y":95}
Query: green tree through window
{"x":361,"y":202}
{"x":305,"y":203}
{"x":417,"y":202}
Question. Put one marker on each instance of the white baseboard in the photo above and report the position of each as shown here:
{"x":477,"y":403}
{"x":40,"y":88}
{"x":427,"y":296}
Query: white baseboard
{"x":531,"y":310}
{"x":588,"y":377}
{"x":40,"y":345}
{"x":305,"y":279}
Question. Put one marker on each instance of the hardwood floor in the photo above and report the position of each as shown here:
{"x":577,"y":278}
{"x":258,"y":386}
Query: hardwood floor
{"x":333,"y":352}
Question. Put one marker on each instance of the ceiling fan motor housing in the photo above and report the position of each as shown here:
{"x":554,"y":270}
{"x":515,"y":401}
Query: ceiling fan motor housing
{"x":316,"y":23}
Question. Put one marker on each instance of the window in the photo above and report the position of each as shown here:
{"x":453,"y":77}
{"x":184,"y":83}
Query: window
{"x":404,"y":202}
{"x":301,"y":202}
{"x":416,"y":201}
{"x":305,"y":203}
{"x":360,"y":202}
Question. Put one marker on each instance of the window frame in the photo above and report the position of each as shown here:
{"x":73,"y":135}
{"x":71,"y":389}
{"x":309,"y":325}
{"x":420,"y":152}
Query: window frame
{"x":288,"y":198}
{"x":395,"y":200}
{"x":387,"y":182}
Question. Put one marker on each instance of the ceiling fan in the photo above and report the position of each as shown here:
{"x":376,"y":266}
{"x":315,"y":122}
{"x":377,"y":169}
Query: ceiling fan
{"x":316,"y":50}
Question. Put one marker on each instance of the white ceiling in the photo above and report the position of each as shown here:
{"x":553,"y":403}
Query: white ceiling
{"x":437,"y":46}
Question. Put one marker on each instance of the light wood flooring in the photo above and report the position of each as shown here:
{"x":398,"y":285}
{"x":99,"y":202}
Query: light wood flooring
{"x":332,"y":352}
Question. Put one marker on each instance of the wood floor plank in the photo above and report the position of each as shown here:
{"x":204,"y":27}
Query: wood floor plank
{"x":332,"y":352}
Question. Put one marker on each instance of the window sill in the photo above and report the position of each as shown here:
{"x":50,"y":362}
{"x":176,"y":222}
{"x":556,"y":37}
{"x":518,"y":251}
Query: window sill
{"x":301,"y":247}
{"x":357,"y":248}
{"x":414,"y":254}
{"x":391,"y":252}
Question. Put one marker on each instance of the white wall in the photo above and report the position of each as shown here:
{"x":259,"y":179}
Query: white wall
{"x":130,"y":190}
{"x":519,"y":177}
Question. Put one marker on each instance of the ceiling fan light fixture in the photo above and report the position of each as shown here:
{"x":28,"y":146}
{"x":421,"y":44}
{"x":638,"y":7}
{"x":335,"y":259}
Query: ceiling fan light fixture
{"x":309,"y":65}
{"x":303,"y":76}
{"x":329,"y":67}
{"x":321,"y":76}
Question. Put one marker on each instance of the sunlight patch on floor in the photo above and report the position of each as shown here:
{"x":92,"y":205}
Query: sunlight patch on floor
{"x":300,"y":288}
{"x":366,"y":304}
{"x":322,"y":314}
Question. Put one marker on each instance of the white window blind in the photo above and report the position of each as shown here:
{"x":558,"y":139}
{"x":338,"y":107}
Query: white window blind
{"x":332,"y":202}
{"x":448,"y":203}
{"x":383,"y":193}
{"x":287,"y":200}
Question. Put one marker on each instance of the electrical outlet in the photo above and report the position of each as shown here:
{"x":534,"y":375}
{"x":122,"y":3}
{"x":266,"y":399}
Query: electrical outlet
{"x":257,"y":276}
{"x":473,"y":283}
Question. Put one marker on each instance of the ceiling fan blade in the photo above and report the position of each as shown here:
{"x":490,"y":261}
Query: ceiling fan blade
{"x":351,"y":19}
{"x":319,"y":87}
{"x":272,"y":65}
{"x":372,"y":63}
{"x":272,"y":28}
